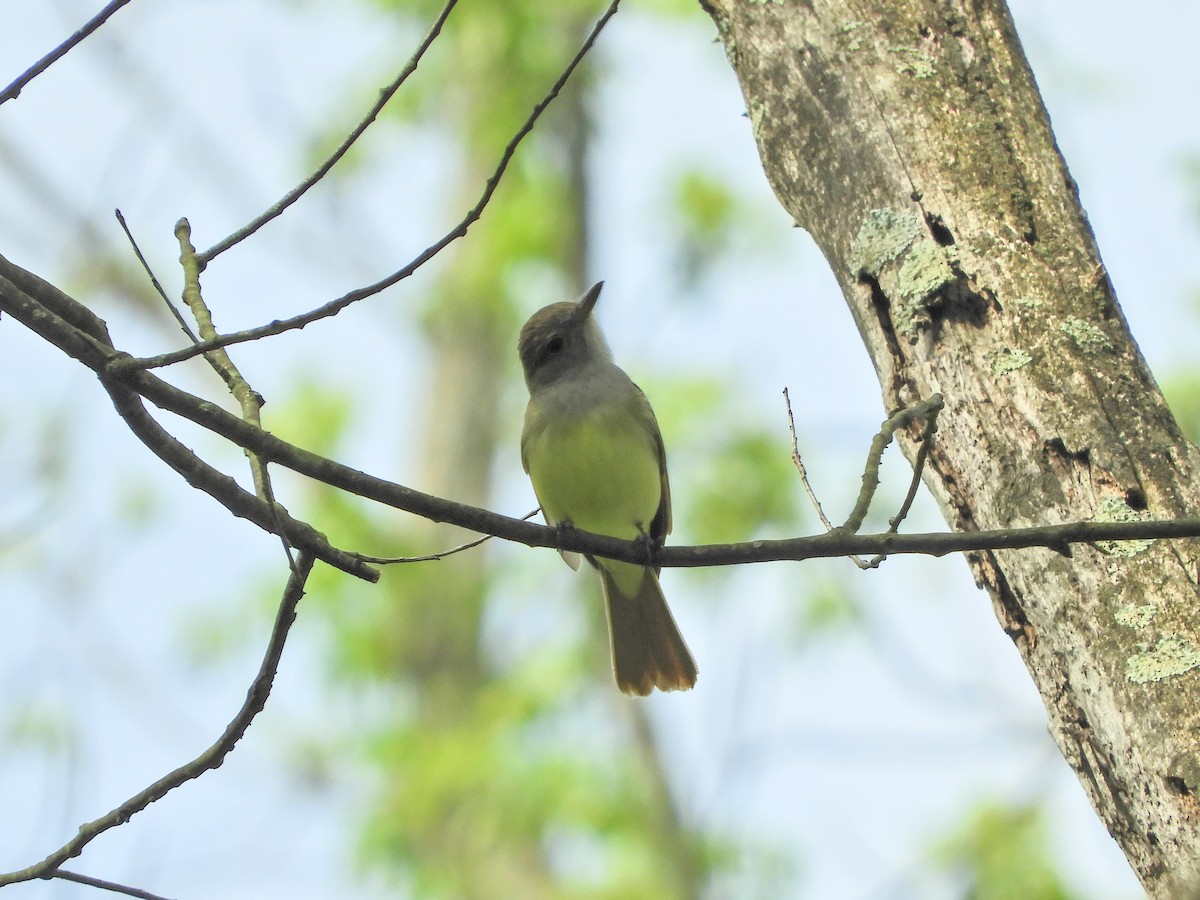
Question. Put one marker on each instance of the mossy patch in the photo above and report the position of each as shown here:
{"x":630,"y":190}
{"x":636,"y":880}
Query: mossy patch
{"x":1134,"y":616}
{"x":848,"y":30}
{"x":883,"y":236}
{"x":925,"y":270}
{"x":1003,"y":360}
{"x":914,"y":62}
{"x":1117,"y":510}
{"x":1172,"y":655}
{"x":1085,"y":335}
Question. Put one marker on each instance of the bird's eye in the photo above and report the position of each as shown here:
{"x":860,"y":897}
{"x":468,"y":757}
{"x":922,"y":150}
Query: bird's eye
{"x":555,"y":345}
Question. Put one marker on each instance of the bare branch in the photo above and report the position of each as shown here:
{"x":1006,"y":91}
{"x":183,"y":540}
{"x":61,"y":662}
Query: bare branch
{"x":99,"y":356}
{"x":80,"y":333}
{"x":250,"y":400}
{"x":64,"y":875}
{"x":13,"y":90}
{"x":919,"y":463}
{"x":256,"y":699}
{"x":301,"y":189}
{"x":441,"y":554}
{"x":929,"y":409}
{"x":218,"y":359}
{"x":154,"y":282}
{"x":918,"y":467}
{"x":836,"y":543}
{"x":799,"y":464}
{"x":870,"y":478}
{"x":333,"y":307}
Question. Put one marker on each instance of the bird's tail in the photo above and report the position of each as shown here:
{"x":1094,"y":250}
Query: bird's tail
{"x":647,"y":649}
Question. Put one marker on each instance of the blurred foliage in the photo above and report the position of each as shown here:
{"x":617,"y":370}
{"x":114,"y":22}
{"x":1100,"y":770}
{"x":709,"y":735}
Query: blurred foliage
{"x":749,"y":484}
{"x":1189,"y":171}
{"x":507,"y":797}
{"x":1181,"y":387}
{"x":826,"y":606}
{"x":39,"y":726}
{"x":706,"y":203}
{"x":710,"y":223}
{"x":494,"y":774}
{"x":707,"y":214}
{"x":1000,"y":852}
{"x":745,"y":482}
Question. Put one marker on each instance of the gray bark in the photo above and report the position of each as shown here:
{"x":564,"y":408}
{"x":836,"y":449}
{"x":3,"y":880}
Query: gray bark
{"x":910,"y":140}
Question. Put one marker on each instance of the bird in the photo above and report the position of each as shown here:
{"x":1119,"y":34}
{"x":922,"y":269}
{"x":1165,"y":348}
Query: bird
{"x":594,"y":453}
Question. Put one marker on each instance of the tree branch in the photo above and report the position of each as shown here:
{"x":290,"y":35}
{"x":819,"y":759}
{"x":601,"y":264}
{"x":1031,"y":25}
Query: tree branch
{"x":927,"y":410}
{"x":154,"y":282}
{"x":102,"y":884}
{"x":14,"y":89}
{"x":256,"y":699}
{"x":79,"y":332}
{"x":250,"y":400}
{"x":301,"y":189}
{"x":99,"y":357}
{"x":333,"y":307}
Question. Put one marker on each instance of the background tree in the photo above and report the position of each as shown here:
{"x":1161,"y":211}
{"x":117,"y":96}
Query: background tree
{"x":465,"y":804}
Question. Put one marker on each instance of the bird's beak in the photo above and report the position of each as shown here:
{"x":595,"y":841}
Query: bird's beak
{"x":588,"y":300}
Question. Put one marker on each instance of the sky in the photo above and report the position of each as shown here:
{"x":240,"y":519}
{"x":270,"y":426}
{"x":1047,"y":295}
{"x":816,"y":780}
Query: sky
{"x":855,"y":756}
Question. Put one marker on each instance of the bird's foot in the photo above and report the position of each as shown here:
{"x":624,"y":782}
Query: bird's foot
{"x":649,"y":546}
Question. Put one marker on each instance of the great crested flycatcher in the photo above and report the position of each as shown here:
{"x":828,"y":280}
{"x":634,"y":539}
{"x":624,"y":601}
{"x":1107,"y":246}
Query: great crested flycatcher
{"x":593,"y":451}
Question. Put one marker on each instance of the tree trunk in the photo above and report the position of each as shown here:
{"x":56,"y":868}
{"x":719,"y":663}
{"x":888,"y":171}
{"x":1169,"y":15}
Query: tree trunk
{"x":908,"y":137}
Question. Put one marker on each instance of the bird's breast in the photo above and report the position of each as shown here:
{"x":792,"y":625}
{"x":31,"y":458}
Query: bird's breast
{"x":594,"y":464}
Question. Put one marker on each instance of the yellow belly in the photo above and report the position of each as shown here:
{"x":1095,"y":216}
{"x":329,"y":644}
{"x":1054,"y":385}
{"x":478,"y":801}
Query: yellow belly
{"x":600,"y":472}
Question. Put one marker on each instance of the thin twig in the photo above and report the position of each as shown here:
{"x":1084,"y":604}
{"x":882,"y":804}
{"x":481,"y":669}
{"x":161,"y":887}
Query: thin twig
{"x":335,"y":306}
{"x":193,"y":297}
{"x":81,"y":334}
{"x":812,"y":495}
{"x":870,"y":477}
{"x":250,"y":400}
{"x":14,"y":89}
{"x":137,"y":251}
{"x":302,"y":188}
{"x":918,"y":464}
{"x":870,"y":480}
{"x":256,"y":699}
{"x":389,"y":560}
{"x":799,"y":463}
{"x":918,"y":468}
{"x":102,"y":884}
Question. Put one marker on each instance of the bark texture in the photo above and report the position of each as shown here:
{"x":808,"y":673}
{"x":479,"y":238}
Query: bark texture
{"x":908,"y":137}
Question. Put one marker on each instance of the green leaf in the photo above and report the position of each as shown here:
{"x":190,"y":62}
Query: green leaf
{"x":1000,"y":851}
{"x":748,"y":484}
